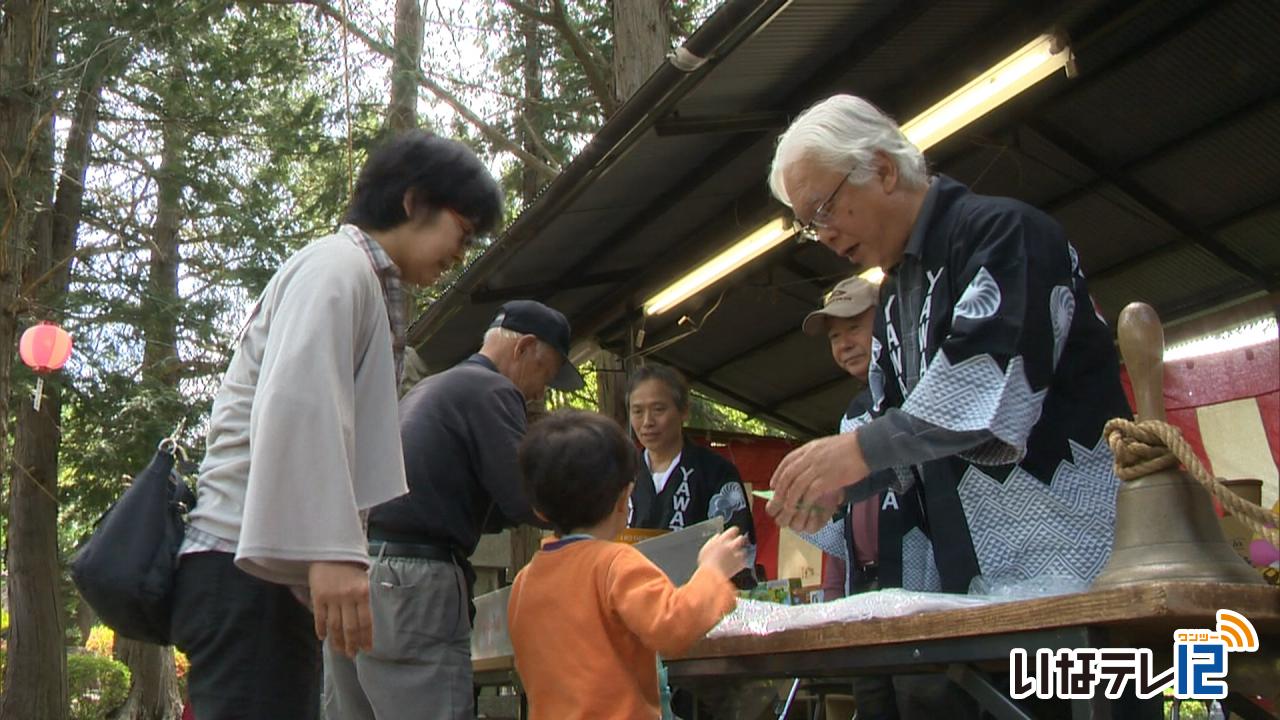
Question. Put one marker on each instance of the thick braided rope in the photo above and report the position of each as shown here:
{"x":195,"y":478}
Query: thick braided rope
{"x":1141,"y":448}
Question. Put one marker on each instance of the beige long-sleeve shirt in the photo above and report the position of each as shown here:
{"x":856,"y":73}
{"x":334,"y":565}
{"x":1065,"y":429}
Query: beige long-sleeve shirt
{"x":304,"y":432}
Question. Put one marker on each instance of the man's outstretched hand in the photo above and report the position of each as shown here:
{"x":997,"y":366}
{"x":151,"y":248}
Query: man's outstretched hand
{"x":808,"y":485}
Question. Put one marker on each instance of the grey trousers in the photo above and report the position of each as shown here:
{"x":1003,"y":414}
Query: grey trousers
{"x":420,"y":666}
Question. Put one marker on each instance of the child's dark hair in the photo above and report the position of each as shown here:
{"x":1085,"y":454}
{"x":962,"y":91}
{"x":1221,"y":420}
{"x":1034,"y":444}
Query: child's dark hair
{"x":575,"y":464}
{"x":670,"y":377}
{"x":443,"y":173}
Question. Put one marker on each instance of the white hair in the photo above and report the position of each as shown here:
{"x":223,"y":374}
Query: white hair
{"x":500,"y":332}
{"x":494,"y":333}
{"x":844,"y":133}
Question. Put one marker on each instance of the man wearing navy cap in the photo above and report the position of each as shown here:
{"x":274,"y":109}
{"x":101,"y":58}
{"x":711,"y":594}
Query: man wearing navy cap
{"x":460,"y":430}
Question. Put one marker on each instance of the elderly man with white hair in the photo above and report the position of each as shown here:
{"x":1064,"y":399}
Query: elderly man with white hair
{"x":461,"y":429}
{"x":991,"y":374}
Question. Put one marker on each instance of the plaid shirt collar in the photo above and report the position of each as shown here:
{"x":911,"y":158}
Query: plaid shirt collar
{"x":392,"y":289}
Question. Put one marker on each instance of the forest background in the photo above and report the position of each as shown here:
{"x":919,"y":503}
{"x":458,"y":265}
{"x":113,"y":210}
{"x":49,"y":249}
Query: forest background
{"x":159,"y":159}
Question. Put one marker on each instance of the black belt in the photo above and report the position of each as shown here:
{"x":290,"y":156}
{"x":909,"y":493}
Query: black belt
{"x":410,"y":550}
{"x":390,"y":544}
{"x":868,"y":578}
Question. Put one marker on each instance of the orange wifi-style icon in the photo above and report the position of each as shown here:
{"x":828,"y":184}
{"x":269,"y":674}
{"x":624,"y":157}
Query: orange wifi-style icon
{"x":1236,"y":631}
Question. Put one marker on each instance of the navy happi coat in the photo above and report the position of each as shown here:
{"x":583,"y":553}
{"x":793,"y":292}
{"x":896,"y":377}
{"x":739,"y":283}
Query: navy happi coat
{"x":703,"y":485}
{"x":991,"y":378}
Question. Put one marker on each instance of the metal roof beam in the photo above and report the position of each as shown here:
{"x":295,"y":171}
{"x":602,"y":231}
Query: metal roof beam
{"x":675,"y":330}
{"x":750,"y":122}
{"x":1150,"y":202}
{"x":1220,"y":296}
{"x":810,"y":88}
{"x":1129,"y":263}
{"x":1093,"y":33}
{"x":824,"y":386}
{"x":753,"y":407}
{"x":544,"y":289}
{"x":1258,"y":104}
{"x":762,"y":346}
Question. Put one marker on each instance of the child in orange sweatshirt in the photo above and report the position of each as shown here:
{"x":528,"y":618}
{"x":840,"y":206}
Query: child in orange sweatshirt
{"x":588,"y":616}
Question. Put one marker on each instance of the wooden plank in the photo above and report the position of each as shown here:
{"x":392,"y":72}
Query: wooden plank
{"x":1159,"y":606}
{"x":494,"y":664}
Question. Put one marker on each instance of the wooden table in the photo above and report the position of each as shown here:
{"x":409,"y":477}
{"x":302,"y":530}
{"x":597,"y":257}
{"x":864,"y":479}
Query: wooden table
{"x":965,"y":642}
{"x":495,"y":671}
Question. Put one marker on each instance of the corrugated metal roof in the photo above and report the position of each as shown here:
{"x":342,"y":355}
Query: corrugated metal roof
{"x":1224,"y":60}
{"x":1256,"y":237}
{"x":1173,"y":280}
{"x":1220,"y":174}
{"x":1161,"y":159}
{"x":1106,"y":226}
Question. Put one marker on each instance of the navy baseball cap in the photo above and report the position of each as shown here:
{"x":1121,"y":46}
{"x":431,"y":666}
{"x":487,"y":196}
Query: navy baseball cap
{"x":530,"y":317}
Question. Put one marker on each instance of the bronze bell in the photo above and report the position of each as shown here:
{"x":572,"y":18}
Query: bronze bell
{"x":1166,"y":529}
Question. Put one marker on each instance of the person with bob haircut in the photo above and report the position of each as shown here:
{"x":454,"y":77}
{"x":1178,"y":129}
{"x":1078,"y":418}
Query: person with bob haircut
{"x":678,"y":482}
{"x":304,"y":437}
{"x":588,"y":615}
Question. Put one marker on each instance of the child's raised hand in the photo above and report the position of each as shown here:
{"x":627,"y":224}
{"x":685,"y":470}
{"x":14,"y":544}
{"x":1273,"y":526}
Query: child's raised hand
{"x":726,"y":552}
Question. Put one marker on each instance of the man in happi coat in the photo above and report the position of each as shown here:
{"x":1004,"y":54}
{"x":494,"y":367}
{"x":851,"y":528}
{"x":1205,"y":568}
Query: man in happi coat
{"x":991,"y":374}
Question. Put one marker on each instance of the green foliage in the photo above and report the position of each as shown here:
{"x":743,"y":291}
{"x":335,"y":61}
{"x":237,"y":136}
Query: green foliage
{"x":1187,"y":709}
{"x":707,"y":414}
{"x":261,"y":171}
{"x":584,"y":399}
{"x":251,"y":98}
{"x":569,"y":109}
{"x":96,"y":686}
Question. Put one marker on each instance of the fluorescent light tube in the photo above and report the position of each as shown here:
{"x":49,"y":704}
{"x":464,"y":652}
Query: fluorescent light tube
{"x":1034,"y":62}
{"x":745,"y":250}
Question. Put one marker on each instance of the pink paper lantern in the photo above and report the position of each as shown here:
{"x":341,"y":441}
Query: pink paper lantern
{"x":45,"y":348}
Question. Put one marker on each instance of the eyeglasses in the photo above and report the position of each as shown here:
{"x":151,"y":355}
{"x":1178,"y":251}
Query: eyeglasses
{"x":822,"y":216}
{"x":468,"y":230}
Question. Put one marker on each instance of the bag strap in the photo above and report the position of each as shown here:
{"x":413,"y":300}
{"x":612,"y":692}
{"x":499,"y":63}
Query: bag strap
{"x":181,"y":493}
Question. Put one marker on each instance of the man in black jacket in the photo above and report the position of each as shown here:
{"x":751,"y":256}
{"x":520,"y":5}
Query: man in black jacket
{"x":846,"y":319}
{"x":460,"y":430}
{"x":678,"y":482}
{"x":991,"y":373}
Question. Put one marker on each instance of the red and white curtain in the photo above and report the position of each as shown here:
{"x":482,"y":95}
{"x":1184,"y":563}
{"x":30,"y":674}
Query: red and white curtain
{"x":1227,"y":406}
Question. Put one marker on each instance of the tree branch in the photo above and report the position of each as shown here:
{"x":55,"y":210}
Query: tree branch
{"x":592,"y":65}
{"x":493,"y":134}
{"x":538,"y":142}
{"x":531,"y":12}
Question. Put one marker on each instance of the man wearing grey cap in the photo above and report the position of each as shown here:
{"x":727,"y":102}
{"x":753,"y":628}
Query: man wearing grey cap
{"x":460,"y":430}
{"x":846,"y":318}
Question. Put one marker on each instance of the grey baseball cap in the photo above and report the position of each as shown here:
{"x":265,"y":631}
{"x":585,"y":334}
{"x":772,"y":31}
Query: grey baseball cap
{"x":849,"y":298}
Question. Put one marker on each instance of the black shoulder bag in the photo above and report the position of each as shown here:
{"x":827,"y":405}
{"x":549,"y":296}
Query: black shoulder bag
{"x":125,"y":571}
